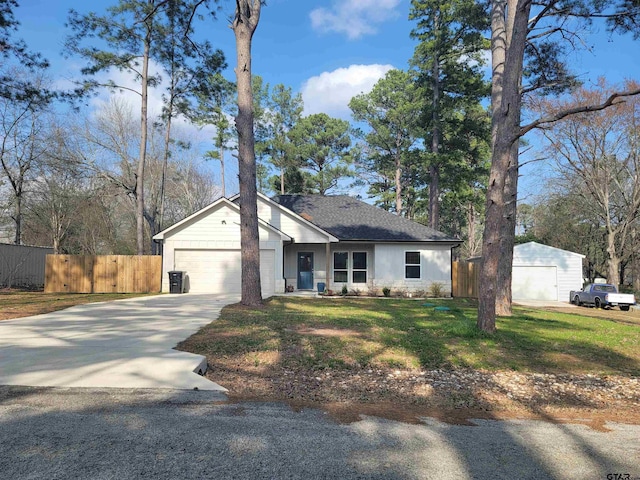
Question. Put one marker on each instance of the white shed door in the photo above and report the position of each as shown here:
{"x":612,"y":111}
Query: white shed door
{"x":534,"y":283}
{"x":218,"y":271}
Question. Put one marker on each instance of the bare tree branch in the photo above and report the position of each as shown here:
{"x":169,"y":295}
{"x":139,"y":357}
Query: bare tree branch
{"x":614,"y":98}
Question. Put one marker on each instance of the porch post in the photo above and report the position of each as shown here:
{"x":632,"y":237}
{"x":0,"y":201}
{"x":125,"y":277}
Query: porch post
{"x":328,"y":258}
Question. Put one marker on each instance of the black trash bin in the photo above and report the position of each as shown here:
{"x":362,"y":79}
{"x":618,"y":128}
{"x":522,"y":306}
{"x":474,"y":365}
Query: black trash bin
{"x":176,"y":281}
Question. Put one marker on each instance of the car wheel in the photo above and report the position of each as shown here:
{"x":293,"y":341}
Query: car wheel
{"x":576,"y":300}
{"x":624,"y":308}
{"x":598,"y":304}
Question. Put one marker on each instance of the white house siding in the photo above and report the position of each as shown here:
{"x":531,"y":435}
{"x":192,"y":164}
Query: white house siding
{"x":291,"y":262}
{"x":435,"y":263}
{"x":568,"y":267}
{"x":289,"y":223}
{"x":218,"y":229}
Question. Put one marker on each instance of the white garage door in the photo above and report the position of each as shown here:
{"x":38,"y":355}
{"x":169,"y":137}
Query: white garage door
{"x":535,"y":283}
{"x":218,"y":271}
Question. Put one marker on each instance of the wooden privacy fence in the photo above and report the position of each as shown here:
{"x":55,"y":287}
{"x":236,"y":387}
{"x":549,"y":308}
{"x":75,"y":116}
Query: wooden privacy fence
{"x":464,"y":279}
{"x":103,"y":273}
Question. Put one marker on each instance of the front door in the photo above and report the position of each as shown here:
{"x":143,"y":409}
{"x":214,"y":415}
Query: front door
{"x":305,"y":271}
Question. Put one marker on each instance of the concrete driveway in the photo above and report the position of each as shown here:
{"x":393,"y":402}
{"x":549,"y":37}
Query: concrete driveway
{"x":124,"y":344}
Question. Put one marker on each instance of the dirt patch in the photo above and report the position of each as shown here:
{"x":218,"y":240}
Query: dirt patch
{"x":453,"y":396}
{"x":325,"y":332}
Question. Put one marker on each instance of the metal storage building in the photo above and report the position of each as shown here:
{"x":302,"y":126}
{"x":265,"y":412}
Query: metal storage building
{"x":541,"y":272}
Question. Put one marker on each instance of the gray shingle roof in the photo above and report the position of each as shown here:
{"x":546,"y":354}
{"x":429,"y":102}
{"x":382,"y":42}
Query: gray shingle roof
{"x":350,"y":219}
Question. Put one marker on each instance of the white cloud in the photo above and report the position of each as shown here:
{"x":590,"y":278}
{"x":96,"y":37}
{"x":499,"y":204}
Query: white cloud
{"x":354,"y":18}
{"x":331,"y":92}
{"x":485,"y":55}
{"x":128,"y":92}
{"x":128,"y":88}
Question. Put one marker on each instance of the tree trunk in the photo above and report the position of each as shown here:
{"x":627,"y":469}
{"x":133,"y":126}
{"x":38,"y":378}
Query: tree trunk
{"x":508,"y":40}
{"x":613,"y":260}
{"x":635,"y":262}
{"x":507,"y":240}
{"x":18,"y":219}
{"x":143,"y":146}
{"x":434,"y":171}
{"x":165,"y":160}
{"x":246,"y":20}
{"x":282,"y":181}
{"x":471,"y":231}
{"x":222,"y":181}
{"x":398,"y":181}
{"x":434,"y":194}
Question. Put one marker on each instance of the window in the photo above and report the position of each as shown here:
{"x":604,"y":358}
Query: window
{"x":412,"y":265}
{"x":359,"y":273}
{"x":340,"y":273}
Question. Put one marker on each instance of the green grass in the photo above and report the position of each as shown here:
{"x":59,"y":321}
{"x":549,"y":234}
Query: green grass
{"x":369,"y":333}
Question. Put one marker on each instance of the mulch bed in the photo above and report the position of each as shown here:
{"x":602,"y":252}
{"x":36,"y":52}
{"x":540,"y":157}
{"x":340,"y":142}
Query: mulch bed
{"x":455,"y":396}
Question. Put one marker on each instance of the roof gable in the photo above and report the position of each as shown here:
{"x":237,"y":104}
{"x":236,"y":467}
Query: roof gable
{"x":350,"y":219}
{"x":299,"y":228}
{"x":535,"y":248}
{"x":220,"y":203}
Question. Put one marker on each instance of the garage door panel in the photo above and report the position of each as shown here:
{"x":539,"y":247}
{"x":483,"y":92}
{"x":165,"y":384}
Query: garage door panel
{"x":218,"y":271}
{"x":535,"y":283}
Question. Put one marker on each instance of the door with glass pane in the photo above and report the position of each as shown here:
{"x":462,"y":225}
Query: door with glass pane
{"x":305,"y":271}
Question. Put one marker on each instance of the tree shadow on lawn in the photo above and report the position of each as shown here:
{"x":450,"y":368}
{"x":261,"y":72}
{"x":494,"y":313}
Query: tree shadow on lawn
{"x":363,"y":333}
{"x":354,"y":333}
{"x":608,"y":315}
{"x":568,"y":345}
{"x":450,"y":391}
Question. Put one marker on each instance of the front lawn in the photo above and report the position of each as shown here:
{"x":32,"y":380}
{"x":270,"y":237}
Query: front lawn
{"x":15,"y":304}
{"x":355,"y":333}
{"x":403,"y":360}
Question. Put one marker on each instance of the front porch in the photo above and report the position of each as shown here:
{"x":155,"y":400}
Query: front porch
{"x":366,"y":266}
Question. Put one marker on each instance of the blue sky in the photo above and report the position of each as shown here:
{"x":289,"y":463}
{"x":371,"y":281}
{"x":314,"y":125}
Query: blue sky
{"x":329,"y":50}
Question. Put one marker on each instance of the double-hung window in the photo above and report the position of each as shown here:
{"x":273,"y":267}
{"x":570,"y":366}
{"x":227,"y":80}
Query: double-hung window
{"x":359,"y":271}
{"x":412,"y":265}
{"x":340,"y":267}
{"x":354,"y":271}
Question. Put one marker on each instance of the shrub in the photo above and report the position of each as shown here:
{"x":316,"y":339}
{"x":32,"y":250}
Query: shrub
{"x":386,"y":291}
{"x":356,"y":292}
{"x":401,"y":293}
{"x":436,"y":289}
{"x":419,"y":293}
{"x":372,"y":290}
{"x":345,"y":290}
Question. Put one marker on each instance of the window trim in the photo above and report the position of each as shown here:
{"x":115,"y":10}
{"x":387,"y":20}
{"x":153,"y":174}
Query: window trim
{"x":346,"y":269}
{"x":419,"y":265}
{"x":354,"y":269}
